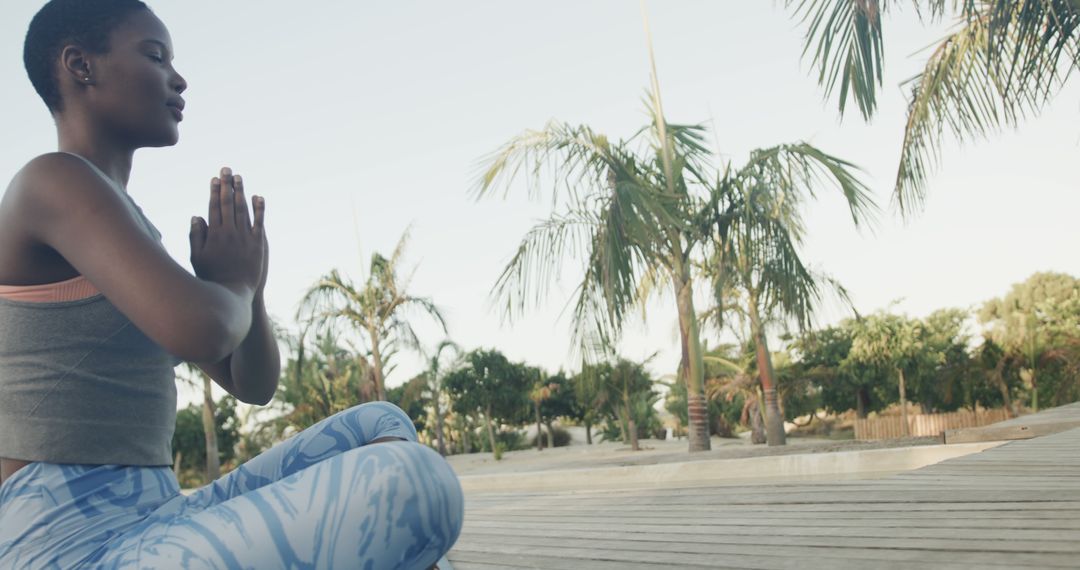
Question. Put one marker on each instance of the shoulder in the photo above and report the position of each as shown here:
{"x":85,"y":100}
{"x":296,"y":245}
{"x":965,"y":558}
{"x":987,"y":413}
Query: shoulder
{"x":55,"y":182}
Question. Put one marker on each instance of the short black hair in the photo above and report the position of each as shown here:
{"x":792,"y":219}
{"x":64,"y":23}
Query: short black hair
{"x":87,"y":23}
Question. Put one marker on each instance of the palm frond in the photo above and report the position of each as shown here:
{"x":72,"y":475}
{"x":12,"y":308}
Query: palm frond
{"x":798,"y":170}
{"x":525,"y":280}
{"x":1000,"y":67}
{"x":845,"y":38}
{"x":578,"y":156}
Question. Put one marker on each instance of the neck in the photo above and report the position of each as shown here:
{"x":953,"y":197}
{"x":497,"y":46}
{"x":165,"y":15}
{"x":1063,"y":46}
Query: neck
{"x":79,"y":136}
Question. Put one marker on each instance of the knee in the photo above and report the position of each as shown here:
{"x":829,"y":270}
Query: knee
{"x":440,"y":507}
{"x":383,"y":419}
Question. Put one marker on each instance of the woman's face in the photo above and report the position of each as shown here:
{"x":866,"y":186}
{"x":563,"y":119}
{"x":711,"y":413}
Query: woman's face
{"x":136,"y":90}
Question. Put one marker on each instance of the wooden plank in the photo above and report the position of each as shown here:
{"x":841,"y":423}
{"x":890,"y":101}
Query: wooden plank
{"x":1006,"y":433}
{"x":466,"y":559}
{"x":935,"y":541}
{"x":1014,"y":506}
{"x":611,"y":541}
{"x":594,"y":558}
{"x":748,"y":520}
{"x":714,"y":525}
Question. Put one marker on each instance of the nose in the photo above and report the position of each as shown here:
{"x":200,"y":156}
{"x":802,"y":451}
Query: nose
{"x":179,"y":84}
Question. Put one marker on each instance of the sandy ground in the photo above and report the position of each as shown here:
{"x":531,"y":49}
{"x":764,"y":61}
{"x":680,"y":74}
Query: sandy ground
{"x":578,"y":456}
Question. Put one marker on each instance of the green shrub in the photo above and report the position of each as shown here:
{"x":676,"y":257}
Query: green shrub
{"x":509,"y":440}
{"x":562,"y":438}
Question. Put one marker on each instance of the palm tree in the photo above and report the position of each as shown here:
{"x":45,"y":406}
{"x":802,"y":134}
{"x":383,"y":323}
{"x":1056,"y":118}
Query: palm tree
{"x":538,"y":393}
{"x":639,"y":229}
{"x":319,"y":381}
{"x":625,"y":216}
{"x":1003,"y":62}
{"x":588,"y":397}
{"x":433,"y":377}
{"x":738,"y":379}
{"x":376,"y":311}
{"x":213,"y":458}
{"x":630,"y":385}
{"x":756,"y":236}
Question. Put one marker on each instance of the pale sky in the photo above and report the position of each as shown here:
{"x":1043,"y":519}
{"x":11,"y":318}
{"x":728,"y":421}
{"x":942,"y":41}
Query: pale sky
{"x":358,"y":119}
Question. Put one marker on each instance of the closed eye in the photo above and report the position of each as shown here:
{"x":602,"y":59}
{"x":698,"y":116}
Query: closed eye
{"x":157,"y":59}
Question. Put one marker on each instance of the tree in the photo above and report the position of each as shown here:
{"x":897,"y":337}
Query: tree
{"x":1037,"y":324}
{"x":539,"y":392}
{"x":552,"y":397}
{"x":434,"y":391}
{"x":189,"y":440}
{"x":588,"y":399}
{"x":640,"y":225}
{"x":318,"y":381}
{"x":376,"y":311}
{"x":411,"y":397}
{"x":561,"y":402}
{"x":756,"y":232}
{"x":893,"y":343}
{"x":492,"y":386}
{"x":1004,"y":62}
{"x":844,"y":384}
{"x":625,"y":394}
{"x":734,"y":381}
{"x":200,"y":378}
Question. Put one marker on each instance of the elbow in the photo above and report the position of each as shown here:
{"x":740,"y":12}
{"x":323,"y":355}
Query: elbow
{"x":263,"y":396}
{"x":212,"y":338}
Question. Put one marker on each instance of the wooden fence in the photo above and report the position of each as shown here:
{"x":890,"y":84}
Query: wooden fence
{"x":892,"y":427}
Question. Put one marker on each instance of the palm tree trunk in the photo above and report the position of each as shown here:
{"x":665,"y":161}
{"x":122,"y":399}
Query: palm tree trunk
{"x":588,"y":432}
{"x":631,"y":425}
{"x":539,"y":430}
{"x":439,"y":427}
{"x":903,"y":403}
{"x":550,"y":435}
{"x":692,"y":370}
{"x":376,"y":357}
{"x":466,"y":447}
{"x":213,"y":467}
{"x":862,"y":403}
{"x":999,"y":380}
{"x":774,"y":420}
{"x":757,"y":425}
{"x":491,"y":433}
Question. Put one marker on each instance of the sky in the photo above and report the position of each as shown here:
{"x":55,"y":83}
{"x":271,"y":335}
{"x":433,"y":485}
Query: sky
{"x":361,"y":120}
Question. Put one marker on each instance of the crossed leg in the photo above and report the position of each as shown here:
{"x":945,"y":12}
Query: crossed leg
{"x":322,"y":499}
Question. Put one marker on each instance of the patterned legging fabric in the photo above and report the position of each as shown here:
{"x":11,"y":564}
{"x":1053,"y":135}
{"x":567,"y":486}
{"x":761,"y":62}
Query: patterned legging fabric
{"x":321,"y":499}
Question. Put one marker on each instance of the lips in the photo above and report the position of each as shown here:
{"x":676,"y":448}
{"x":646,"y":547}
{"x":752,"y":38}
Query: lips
{"x":176,"y":106}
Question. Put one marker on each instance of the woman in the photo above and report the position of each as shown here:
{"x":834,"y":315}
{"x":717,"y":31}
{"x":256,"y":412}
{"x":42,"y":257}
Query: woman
{"x":94,"y":315}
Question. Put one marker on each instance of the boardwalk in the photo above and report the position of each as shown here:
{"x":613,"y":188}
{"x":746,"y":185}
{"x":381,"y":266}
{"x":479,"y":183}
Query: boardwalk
{"x":1014,"y":506}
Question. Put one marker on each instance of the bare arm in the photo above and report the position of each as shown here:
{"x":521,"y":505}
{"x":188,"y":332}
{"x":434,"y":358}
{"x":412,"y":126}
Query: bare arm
{"x":251,"y":372}
{"x":68,"y":203}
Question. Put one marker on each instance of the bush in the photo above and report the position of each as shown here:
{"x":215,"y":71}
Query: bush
{"x":562,"y":438}
{"x":511,"y":440}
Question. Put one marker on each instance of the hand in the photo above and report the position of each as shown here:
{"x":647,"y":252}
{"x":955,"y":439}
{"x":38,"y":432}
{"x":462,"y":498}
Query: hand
{"x":228,"y":248}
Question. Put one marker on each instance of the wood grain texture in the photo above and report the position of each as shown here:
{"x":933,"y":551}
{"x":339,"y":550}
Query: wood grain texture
{"x":1013,"y":506}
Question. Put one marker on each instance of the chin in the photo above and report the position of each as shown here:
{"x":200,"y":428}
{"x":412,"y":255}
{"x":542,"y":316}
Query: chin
{"x":166,"y":138}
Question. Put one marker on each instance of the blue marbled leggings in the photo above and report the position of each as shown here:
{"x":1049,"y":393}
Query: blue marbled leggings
{"x":322,"y":499}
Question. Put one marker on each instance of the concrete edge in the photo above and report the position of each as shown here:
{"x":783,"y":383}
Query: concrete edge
{"x":805,"y":466}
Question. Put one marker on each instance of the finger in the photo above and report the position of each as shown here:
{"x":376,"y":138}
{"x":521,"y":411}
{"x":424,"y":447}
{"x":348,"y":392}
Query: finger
{"x":228,"y":210}
{"x":242,"y":214}
{"x":214,"y":214}
{"x":197,"y":235}
{"x":258,"y":204}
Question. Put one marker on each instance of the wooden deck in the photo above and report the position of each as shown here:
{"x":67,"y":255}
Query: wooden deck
{"x":1014,"y":506}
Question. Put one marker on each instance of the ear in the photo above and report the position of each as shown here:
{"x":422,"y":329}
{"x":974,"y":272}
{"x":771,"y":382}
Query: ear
{"x":75,"y":63}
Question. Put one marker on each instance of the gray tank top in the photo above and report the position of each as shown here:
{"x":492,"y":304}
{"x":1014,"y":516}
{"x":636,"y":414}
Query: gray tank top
{"x":80,"y":383}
